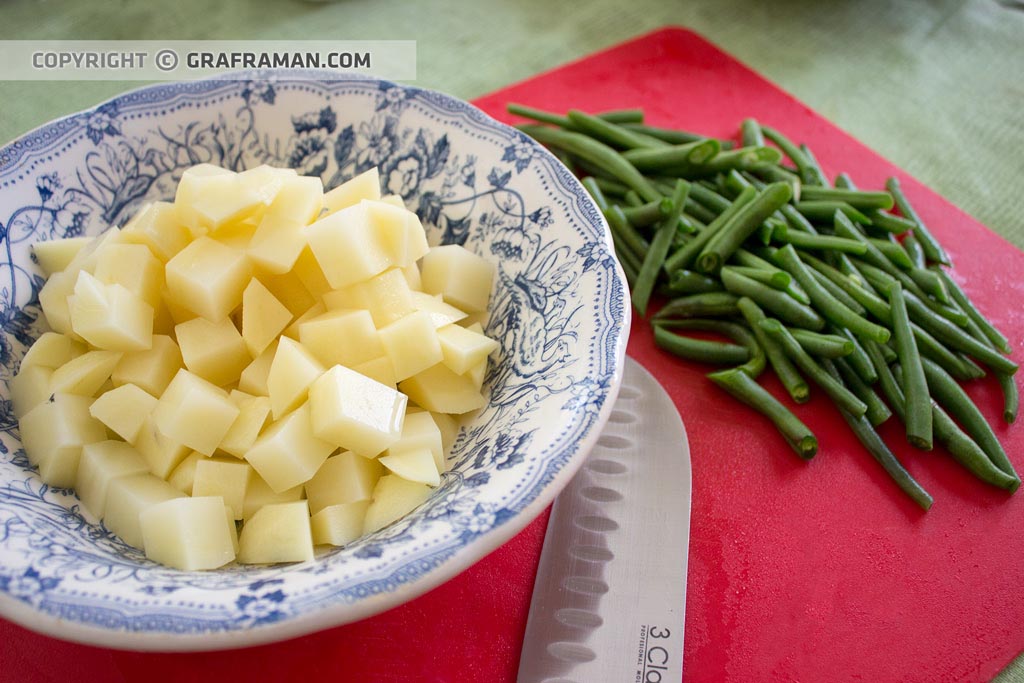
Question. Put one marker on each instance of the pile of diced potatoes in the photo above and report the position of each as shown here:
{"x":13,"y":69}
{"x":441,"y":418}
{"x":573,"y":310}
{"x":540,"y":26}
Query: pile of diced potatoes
{"x":256,"y":355}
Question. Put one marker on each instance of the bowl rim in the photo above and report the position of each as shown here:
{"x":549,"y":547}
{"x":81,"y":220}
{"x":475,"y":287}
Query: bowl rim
{"x":337,"y":614}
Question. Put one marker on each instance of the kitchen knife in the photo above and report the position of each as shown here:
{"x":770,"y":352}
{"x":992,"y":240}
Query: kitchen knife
{"x":610,"y":594}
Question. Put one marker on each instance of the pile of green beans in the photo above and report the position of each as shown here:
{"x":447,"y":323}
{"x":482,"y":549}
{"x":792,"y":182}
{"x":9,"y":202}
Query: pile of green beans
{"x":822,"y":283}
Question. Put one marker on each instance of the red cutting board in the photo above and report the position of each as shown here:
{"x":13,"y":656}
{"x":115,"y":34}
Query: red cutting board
{"x":818,"y":571}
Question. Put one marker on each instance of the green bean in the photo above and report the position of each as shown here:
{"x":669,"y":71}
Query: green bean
{"x":866,"y":299}
{"x":649,"y":213}
{"x":919,"y":412}
{"x":822,"y":211}
{"x":742,"y":158}
{"x":743,"y":388}
{"x":699,"y":212}
{"x":890,"y":223}
{"x":931,"y":283}
{"x":842,"y":396}
{"x":815,"y":167}
{"x":654,"y":259}
{"x":1011,"y":396}
{"x":877,"y":412}
{"x":627,"y":259}
{"x":965,"y":304}
{"x":690,"y":282}
{"x":741,"y":335}
{"x":933,"y":251}
{"x":954,"y":399}
{"x":591,"y":185}
{"x":710,"y":199}
{"x":748,"y":259}
{"x":673,"y":137}
{"x":932,"y":348}
{"x":615,"y":116}
{"x":633,"y":199}
{"x":892,"y":251}
{"x":886,"y":380}
{"x":822,"y":345}
{"x":779,"y":303}
{"x":776,"y":279}
{"x":750,"y":133}
{"x":621,"y":227}
{"x":805,"y":240}
{"x":809,"y":173}
{"x":596,"y":153}
{"x":702,"y":350}
{"x":830,"y":307}
{"x":742,"y":224}
{"x":684,"y":257}
{"x":913,"y":248}
{"x":611,"y":133}
{"x":784,"y":369}
{"x":837,"y":291}
{"x":611,"y":187}
{"x":688,"y":156}
{"x":699,"y":306}
{"x":858,"y":358}
{"x":858,"y":199}
{"x":772,"y":173}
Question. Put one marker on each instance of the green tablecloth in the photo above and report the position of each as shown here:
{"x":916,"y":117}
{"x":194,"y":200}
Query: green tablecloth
{"x":935,"y":86}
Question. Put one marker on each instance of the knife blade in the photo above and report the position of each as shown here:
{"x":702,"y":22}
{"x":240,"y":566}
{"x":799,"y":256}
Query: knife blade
{"x":610,"y":594}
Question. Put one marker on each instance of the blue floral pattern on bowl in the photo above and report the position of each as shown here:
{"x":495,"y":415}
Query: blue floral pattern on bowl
{"x":559,"y":310}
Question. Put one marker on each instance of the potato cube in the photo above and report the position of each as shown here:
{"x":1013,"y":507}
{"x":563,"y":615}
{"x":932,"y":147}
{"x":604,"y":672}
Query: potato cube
{"x":88,"y":255}
{"x":354,"y":412}
{"x":292,"y":331}
{"x":191,"y":187}
{"x":53,"y":299}
{"x":476,"y":374}
{"x":215,"y":201}
{"x":308,"y":270}
{"x":289,"y":290}
{"x":124,"y":410}
{"x":449,"y":427}
{"x":184,"y":475}
{"x":387,"y":296}
{"x":263,"y":317}
{"x":412,"y":278}
{"x":413,"y":465}
{"x":412,"y":344}
{"x":464,"y":348}
{"x":463,"y":278}
{"x":208,"y":278}
{"x":54,"y":255}
{"x":279,"y":240}
{"x":52,"y":350}
{"x":157,"y":227}
{"x":150,"y":370}
{"x":258,"y":493}
{"x":440,"y":390}
{"x":345,"y":337}
{"x":343,"y":478}
{"x":366,"y":185}
{"x":194,"y":412}
{"x":134,"y":267}
{"x":278,"y":532}
{"x":225,"y":478}
{"x":214,"y":351}
{"x":401,"y":231}
{"x":53,"y":434}
{"x":109,"y":316}
{"x":236,"y":236}
{"x":267,"y":181}
{"x":100,"y":464}
{"x":85,"y":374}
{"x":339,"y":524}
{"x":441,"y":314}
{"x":348,"y":246}
{"x":254,"y":411}
{"x":253,"y":379}
{"x":29,"y":388}
{"x":188,"y":533}
{"x":420,"y":431}
{"x":128,"y":497}
{"x":393,"y":498}
{"x":288,"y":453}
{"x":293,"y":369}
{"x":162,"y":453}
{"x":378,"y":369}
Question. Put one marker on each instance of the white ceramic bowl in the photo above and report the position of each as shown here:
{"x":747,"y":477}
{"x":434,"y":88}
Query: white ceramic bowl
{"x":560,"y":310}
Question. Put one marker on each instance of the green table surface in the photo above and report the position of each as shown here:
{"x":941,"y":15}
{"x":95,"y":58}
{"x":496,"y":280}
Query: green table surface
{"x":935,"y":86}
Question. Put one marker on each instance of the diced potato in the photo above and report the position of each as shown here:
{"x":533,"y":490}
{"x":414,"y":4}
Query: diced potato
{"x":339,"y":524}
{"x":54,"y":255}
{"x":29,"y":388}
{"x":393,"y":498}
{"x":225,"y":478}
{"x":279,"y":240}
{"x":188,"y":533}
{"x":194,"y":412}
{"x":258,"y":493}
{"x":263,"y":317}
{"x":52,"y":350}
{"x":288,"y":453}
{"x":135,"y":268}
{"x":254,"y":411}
{"x":124,"y":410}
{"x":253,"y":379}
{"x":53,"y":299}
{"x":348,"y":246}
{"x":214,"y":351}
{"x":476,"y":374}
{"x":343,"y":478}
{"x":464,"y":348}
{"x":128,"y":497}
{"x":217,"y":200}
{"x":412,"y":344}
{"x":87,"y":256}
{"x":289,"y":290}
{"x":208,"y":278}
{"x":441,"y":314}
{"x":398,"y":228}
{"x":440,"y":390}
{"x":308,"y":270}
{"x":354,"y":412}
{"x":463,"y":278}
{"x":278,"y":532}
{"x":386,"y":296}
{"x":412,"y":277}
{"x":378,"y":369}
{"x":192,"y":179}
{"x":236,"y":236}
{"x":293,"y":369}
{"x":267,"y":180}
{"x":157,"y":227}
{"x":184,"y":475}
{"x":162,"y":453}
{"x":366,"y":185}
{"x":416,"y":464}
{"x":100,"y":464}
{"x":53,"y":434}
{"x":109,"y":316}
{"x":85,"y":374}
{"x":481,"y":318}
{"x":150,"y":370}
{"x":292,"y":331}
{"x":420,"y":431}
{"x":345,"y":337}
